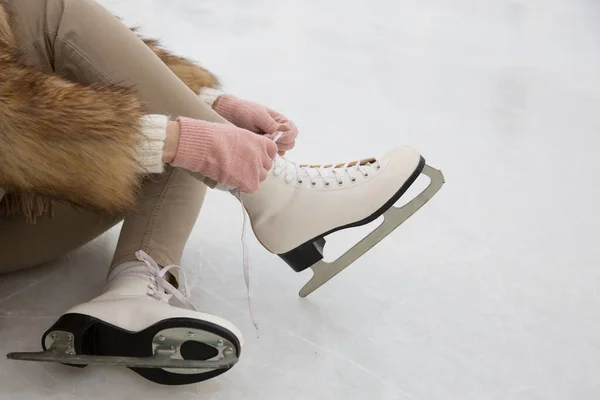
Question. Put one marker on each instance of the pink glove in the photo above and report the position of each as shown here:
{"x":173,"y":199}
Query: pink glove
{"x":226,"y":154}
{"x":258,"y":119}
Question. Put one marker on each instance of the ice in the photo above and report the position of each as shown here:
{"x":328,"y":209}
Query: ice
{"x":489,"y":292}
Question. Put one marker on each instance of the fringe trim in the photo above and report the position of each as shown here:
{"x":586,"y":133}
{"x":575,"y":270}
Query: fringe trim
{"x":29,"y":205}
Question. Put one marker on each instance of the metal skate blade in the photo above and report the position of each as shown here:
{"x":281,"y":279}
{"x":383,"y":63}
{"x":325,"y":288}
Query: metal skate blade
{"x":394,"y":217}
{"x":159,"y":360}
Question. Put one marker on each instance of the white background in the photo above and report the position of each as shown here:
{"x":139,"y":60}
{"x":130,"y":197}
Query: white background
{"x":489,"y":292}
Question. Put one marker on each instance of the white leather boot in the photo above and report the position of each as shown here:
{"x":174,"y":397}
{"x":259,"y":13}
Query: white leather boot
{"x":135,"y":317}
{"x":297,"y":206}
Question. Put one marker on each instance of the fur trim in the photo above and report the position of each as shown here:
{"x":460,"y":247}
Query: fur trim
{"x":66,"y":141}
{"x":193,"y":75}
{"x":30,"y":206}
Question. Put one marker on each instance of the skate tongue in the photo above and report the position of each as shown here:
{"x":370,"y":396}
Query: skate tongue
{"x":135,"y":268}
{"x":157,"y":279}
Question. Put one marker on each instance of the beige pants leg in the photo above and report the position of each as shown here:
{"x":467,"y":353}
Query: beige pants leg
{"x":83,"y":42}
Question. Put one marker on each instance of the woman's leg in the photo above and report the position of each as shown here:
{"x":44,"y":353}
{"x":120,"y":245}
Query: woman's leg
{"x":81,"y":41}
{"x":24,"y":245}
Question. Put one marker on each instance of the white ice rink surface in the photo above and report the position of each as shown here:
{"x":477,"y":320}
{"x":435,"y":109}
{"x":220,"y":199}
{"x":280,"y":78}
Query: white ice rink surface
{"x":489,"y":292}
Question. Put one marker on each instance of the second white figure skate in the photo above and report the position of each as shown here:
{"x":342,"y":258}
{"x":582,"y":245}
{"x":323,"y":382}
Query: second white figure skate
{"x":145,"y":323}
{"x":297,"y":206}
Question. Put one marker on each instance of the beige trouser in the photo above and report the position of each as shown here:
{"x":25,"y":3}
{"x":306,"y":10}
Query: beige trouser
{"x":83,"y":42}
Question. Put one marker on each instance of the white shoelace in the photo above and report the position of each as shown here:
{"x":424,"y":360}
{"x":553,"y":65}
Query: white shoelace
{"x":324,"y":172}
{"x":246,"y":264}
{"x":159,"y":286}
{"x":245,"y":261}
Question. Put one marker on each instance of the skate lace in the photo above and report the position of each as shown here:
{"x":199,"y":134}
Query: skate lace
{"x":323,"y":172}
{"x":159,"y":286}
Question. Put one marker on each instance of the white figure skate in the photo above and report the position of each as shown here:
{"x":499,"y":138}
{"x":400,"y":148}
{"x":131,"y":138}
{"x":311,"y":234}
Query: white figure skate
{"x":132,"y":324}
{"x":297,"y":206}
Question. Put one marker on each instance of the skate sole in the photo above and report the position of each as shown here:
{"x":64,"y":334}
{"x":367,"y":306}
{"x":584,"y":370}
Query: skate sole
{"x":311,"y":252}
{"x":94,"y":337}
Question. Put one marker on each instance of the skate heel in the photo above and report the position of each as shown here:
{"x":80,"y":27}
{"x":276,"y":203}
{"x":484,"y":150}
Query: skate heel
{"x":305,"y":256}
{"x":69,"y":334}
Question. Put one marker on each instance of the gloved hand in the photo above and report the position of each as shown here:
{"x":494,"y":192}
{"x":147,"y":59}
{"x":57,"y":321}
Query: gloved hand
{"x":227,"y":154}
{"x":258,"y":119}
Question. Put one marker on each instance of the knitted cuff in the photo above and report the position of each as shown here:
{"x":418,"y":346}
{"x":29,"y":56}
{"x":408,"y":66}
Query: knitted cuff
{"x":196,"y":143}
{"x":210,"y":95}
{"x":150,"y":148}
{"x":227,"y":107}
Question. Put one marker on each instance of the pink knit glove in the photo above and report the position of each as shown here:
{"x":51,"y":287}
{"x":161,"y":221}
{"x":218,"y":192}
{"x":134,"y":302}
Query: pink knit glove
{"x":226,"y":154}
{"x":258,"y":119}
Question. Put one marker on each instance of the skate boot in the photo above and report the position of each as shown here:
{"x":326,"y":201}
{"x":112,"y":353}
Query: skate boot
{"x":133,"y":324}
{"x":298,"y":205}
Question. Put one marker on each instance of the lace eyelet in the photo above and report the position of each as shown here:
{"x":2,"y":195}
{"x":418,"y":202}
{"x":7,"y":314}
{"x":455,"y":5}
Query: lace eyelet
{"x":378,"y":167}
{"x":340,"y":183}
{"x":313,"y":184}
{"x":366,"y":175}
{"x":353,"y":180}
{"x":300,"y":182}
{"x":326,"y":184}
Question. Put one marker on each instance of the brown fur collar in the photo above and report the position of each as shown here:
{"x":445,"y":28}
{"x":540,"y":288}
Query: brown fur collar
{"x":63,"y":141}
{"x":66,"y":141}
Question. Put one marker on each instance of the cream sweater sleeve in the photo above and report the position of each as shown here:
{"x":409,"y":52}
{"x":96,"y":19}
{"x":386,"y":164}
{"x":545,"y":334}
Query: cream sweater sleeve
{"x":150,"y":148}
{"x":210,"y":95}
